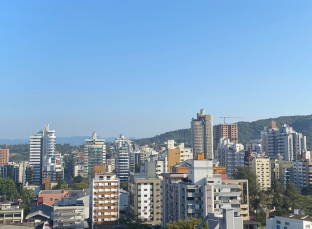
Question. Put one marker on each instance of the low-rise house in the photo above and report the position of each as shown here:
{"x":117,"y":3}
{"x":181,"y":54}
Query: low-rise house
{"x":10,"y":213}
{"x":41,"y":213}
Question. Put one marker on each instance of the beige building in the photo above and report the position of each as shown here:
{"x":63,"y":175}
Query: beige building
{"x":262,"y":167}
{"x":104,"y":199}
{"x":4,"y":156}
{"x":144,"y":198}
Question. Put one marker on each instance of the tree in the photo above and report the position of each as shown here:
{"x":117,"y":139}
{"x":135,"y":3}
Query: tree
{"x":186,"y":224}
{"x":132,"y":221}
{"x":8,"y":188}
{"x":61,"y":185}
{"x":80,"y":186}
{"x":27,"y":195}
{"x":124,"y":185}
{"x":77,"y":179}
{"x":256,"y":195}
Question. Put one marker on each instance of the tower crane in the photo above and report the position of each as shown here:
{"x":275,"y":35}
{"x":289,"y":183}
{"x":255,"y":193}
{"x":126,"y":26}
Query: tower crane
{"x":228,"y":117}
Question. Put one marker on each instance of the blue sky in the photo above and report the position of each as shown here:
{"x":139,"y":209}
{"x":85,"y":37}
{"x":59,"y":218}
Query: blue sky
{"x":142,"y":68}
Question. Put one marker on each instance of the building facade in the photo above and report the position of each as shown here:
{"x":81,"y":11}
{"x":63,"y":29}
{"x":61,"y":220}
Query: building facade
{"x":94,"y":154}
{"x":225,"y":130}
{"x":68,"y":213}
{"x":230,"y":155}
{"x":104,"y":199}
{"x":122,"y":158}
{"x":144,"y":198}
{"x":42,"y":147}
{"x":4,"y":156}
{"x":202,"y":135}
{"x":261,"y":166}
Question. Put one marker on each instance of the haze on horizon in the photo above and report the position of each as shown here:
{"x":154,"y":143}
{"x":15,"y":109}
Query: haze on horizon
{"x":143,"y":68}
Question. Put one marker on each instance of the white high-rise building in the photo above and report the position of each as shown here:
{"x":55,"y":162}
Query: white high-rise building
{"x":42,"y":147}
{"x":94,"y":154}
{"x":202,"y":135}
{"x":230,"y":155}
{"x":122,"y":158}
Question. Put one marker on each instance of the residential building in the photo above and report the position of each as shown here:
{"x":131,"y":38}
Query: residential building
{"x":68,"y":213}
{"x":301,"y":173}
{"x":49,"y":196}
{"x":110,"y":165}
{"x":197,"y":193}
{"x":122,"y":158}
{"x":41,"y":213}
{"x":290,"y":221}
{"x":42,"y":147}
{"x":225,"y":130}
{"x":104,"y":199}
{"x":202,"y":135}
{"x":123,"y":200}
{"x":53,"y":167}
{"x":12,"y":170}
{"x":10,"y":214}
{"x":4,"y":155}
{"x":136,"y":158}
{"x":144,"y":197}
{"x":94,"y":154}
{"x":29,"y":174}
{"x":230,"y":155}
{"x":261,"y":166}
{"x":255,"y":146}
{"x":78,"y":164}
{"x":284,"y":141}
{"x":280,"y":170}
{"x":228,"y":220}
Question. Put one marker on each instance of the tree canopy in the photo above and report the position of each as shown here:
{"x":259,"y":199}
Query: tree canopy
{"x":61,"y":185}
{"x":8,"y":188}
{"x":186,"y":224}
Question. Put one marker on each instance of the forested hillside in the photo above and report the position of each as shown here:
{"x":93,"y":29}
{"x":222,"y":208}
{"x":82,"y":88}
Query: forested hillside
{"x":246,"y":130}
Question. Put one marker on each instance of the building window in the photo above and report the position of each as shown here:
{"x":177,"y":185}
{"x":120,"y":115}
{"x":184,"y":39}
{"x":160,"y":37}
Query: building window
{"x":278,"y":222}
{"x":286,"y":223}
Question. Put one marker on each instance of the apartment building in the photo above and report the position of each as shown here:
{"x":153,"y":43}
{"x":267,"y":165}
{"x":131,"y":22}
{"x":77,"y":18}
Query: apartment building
{"x":104,"y":199}
{"x":230,"y":155}
{"x":301,"y":173}
{"x":42,"y":147}
{"x":4,"y":155}
{"x":13,"y":170}
{"x":225,"y":130}
{"x":110,"y":165}
{"x":94,"y":154}
{"x":197,"y":193}
{"x":68,"y":213}
{"x":11,"y":214}
{"x":261,"y":166}
{"x":280,"y":170}
{"x":202,"y":135}
{"x":78,"y":164}
{"x":144,"y":197}
{"x":284,"y":141}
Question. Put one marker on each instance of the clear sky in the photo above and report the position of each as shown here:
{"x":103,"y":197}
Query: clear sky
{"x":142,"y":68}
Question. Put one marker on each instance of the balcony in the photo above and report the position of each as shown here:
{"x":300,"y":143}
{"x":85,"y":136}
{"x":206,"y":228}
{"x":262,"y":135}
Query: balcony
{"x":106,"y":198}
{"x":105,"y":187}
{"x":105,"y":216}
{"x":106,"y":193}
{"x":105,"y":204}
{"x":106,"y":210}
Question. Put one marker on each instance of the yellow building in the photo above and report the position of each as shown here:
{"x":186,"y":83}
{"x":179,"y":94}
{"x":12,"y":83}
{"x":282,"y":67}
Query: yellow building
{"x":174,"y":158}
{"x":262,"y":167}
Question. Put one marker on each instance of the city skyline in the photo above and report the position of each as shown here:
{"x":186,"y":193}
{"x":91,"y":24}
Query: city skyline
{"x":142,"y":68}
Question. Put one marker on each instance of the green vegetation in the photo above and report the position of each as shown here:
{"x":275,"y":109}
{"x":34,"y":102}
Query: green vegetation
{"x":80,"y":186}
{"x":124,"y":185}
{"x":8,"y":188}
{"x":186,"y":224}
{"x":256,"y":195}
{"x":27,"y":196}
{"x":133,"y":222}
{"x":61,"y":185}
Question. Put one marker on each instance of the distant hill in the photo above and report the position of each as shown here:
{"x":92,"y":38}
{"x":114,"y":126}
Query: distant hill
{"x":246,"y":130}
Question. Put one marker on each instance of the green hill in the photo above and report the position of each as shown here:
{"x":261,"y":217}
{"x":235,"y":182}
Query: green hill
{"x":246,"y":130}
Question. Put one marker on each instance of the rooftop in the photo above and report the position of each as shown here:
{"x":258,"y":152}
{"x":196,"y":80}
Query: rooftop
{"x":299,"y":217}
